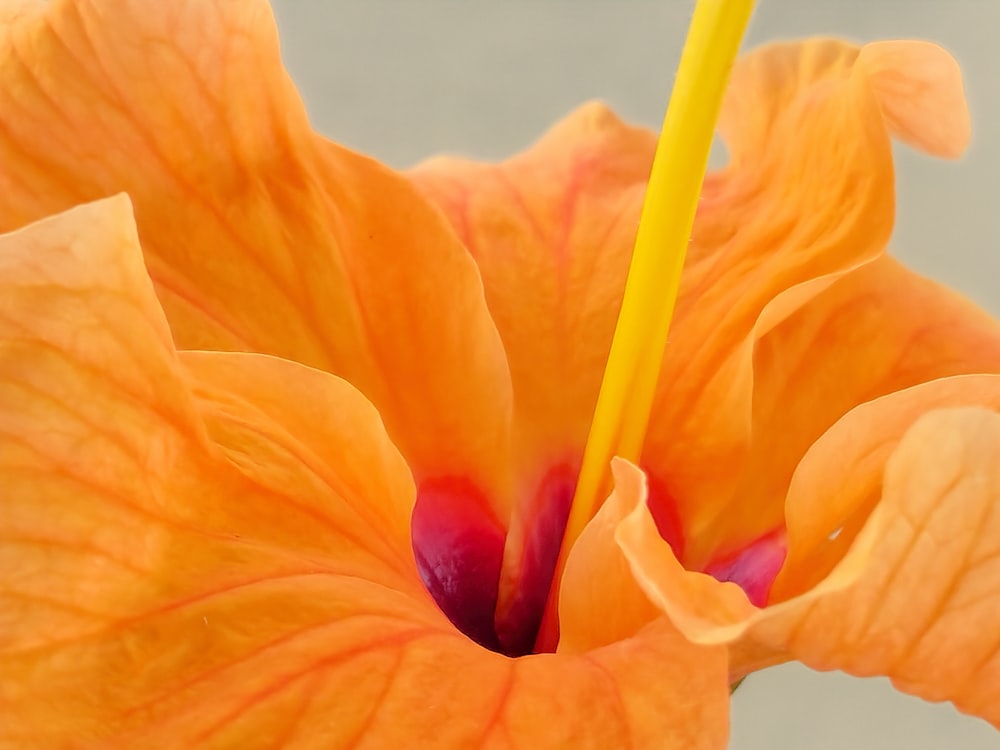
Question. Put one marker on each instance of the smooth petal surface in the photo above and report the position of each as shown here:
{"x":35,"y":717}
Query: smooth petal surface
{"x":551,"y":230}
{"x":599,"y":600}
{"x":890,"y":565}
{"x":808,"y":196}
{"x":875,"y":331}
{"x":259,"y":235}
{"x":926,"y":606}
{"x":213,"y":551}
{"x":919,"y":86}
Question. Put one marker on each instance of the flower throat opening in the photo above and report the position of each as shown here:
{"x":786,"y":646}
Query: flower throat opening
{"x":460,"y":546}
{"x":459,"y":550}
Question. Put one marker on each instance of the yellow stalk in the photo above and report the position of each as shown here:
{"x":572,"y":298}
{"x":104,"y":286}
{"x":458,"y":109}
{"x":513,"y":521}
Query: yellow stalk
{"x":621,"y":416}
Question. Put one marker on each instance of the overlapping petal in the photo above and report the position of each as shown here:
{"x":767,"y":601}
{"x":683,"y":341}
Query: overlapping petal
{"x":807,"y":196}
{"x":259,"y":235}
{"x":775,"y":228}
{"x":875,"y":331}
{"x":212,"y":550}
{"x":600,"y":601}
{"x":551,"y":230}
{"x":925,"y":609}
{"x":890,"y":561}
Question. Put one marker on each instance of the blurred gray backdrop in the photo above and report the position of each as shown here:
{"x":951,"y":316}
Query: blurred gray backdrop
{"x":402,"y":80}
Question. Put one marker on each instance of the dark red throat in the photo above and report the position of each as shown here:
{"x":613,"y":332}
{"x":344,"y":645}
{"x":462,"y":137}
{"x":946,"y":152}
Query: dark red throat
{"x":459,"y":546}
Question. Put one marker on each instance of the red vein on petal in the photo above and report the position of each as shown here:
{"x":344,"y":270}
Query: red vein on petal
{"x":51,"y":601}
{"x":117,"y":103}
{"x":307,"y":459}
{"x":610,"y":679}
{"x":81,"y":547}
{"x":503,"y":697}
{"x":261,"y":650}
{"x":290,"y":679}
{"x":378,"y":702}
{"x":178,"y":422}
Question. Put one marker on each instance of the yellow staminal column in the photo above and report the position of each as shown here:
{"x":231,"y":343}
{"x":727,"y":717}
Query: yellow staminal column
{"x":621,"y":416}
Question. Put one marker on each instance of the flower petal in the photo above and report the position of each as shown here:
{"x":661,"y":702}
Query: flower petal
{"x":92,"y":417}
{"x":599,"y":600}
{"x":214,"y":552}
{"x":551,"y":230}
{"x":807,"y":197}
{"x":926,"y":606}
{"x":877,"y":330}
{"x":919,"y":86}
{"x":837,"y":484}
{"x":835,"y":492}
{"x":259,"y":234}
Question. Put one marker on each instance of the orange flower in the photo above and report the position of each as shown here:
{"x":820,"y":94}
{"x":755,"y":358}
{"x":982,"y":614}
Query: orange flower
{"x":236,"y":402}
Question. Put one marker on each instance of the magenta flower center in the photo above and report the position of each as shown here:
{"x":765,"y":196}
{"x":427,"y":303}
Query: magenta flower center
{"x":459,"y":548}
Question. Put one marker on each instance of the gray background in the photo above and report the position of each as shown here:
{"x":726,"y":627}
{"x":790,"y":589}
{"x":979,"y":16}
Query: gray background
{"x":402,"y":80}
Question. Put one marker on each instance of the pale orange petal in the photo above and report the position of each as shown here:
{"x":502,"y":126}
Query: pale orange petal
{"x":837,"y":484}
{"x":93,"y":417}
{"x":877,"y":330}
{"x":259,"y":234}
{"x":599,"y":599}
{"x":706,"y":610}
{"x":925,"y":609}
{"x":767,"y":83}
{"x":919,"y":86}
{"x":807,"y":197}
{"x":215,"y":552}
{"x":830,"y":500}
{"x":808,"y":194}
{"x":551,"y":230}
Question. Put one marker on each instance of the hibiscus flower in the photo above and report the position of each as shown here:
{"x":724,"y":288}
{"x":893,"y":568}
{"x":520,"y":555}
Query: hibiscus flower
{"x":288,"y":440}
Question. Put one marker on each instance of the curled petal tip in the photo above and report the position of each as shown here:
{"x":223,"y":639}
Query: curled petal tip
{"x":919,"y":87}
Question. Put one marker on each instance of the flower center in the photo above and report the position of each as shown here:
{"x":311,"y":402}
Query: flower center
{"x":459,"y":547}
{"x":458,"y":543}
{"x":625,"y":400}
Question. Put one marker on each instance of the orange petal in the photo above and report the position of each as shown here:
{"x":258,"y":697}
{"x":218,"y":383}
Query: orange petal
{"x":92,"y":416}
{"x":704,"y":609}
{"x":924,"y":608}
{"x":875,"y":331}
{"x":837,"y":484}
{"x":599,"y":600}
{"x":807,"y":196}
{"x":259,"y":234}
{"x":919,"y":86}
{"x":215,"y":552}
{"x":551,"y":230}
{"x":831,"y":498}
